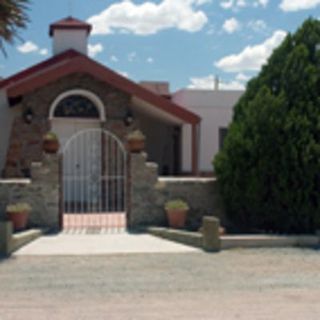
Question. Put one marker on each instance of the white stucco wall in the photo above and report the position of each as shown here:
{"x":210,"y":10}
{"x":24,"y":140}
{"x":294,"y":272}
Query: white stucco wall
{"x":216,"y":110}
{"x":70,"y":39}
{"x":6,"y":118}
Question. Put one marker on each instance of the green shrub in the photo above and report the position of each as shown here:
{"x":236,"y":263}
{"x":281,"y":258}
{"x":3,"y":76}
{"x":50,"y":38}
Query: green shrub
{"x":18,"y":207}
{"x":50,"y":136}
{"x":269,"y":167}
{"x":176,"y":205}
{"x":136,"y":135}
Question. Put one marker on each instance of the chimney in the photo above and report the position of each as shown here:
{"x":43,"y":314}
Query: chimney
{"x":70,"y":33}
{"x":216,"y":83}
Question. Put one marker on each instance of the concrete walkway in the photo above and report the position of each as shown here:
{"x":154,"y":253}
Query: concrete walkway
{"x":101,"y":244}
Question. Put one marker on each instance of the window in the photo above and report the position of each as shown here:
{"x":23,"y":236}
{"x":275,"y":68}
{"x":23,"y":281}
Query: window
{"x":76,"y":106}
{"x":222,"y":135}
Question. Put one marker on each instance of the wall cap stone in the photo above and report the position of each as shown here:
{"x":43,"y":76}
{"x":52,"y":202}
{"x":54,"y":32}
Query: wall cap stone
{"x":36,"y":164}
{"x":15,"y":181}
{"x":152,"y":165}
{"x":187,"y":179}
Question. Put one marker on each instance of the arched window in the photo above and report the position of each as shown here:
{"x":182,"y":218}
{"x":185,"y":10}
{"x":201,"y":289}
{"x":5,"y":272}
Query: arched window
{"x":76,"y":106}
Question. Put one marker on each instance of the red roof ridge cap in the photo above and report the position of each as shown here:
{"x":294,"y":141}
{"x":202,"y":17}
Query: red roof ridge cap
{"x":69,"y":23}
{"x":17,"y":77}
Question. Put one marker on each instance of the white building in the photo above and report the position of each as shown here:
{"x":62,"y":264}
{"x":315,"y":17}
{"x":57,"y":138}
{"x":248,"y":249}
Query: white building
{"x":215,"y":107}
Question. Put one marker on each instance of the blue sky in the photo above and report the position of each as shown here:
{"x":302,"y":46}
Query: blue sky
{"x":185,"y":42}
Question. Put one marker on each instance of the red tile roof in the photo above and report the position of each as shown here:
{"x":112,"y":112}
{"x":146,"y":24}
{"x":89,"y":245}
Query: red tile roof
{"x":74,"y":62}
{"x":22,"y":75}
{"x":69,"y":23}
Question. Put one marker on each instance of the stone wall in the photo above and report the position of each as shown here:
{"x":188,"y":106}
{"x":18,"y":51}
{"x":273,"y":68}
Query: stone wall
{"x":25,"y":145}
{"x":42,"y":193}
{"x":149,"y":194}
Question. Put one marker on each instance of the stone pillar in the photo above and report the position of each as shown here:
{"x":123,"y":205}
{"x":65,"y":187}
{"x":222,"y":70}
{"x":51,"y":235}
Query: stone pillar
{"x":46,"y":192}
{"x":5,"y":237}
{"x":143,"y":177}
{"x":211,"y":237}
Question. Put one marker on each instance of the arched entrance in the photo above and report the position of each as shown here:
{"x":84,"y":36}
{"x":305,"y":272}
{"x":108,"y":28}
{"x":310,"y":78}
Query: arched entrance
{"x":94,"y":181}
{"x":74,"y":111}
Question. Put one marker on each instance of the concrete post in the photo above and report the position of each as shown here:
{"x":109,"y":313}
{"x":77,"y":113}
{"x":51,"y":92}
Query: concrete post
{"x":5,"y":238}
{"x":210,"y":231}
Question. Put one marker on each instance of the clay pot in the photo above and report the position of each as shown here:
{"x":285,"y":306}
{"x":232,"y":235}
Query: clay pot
{"x":51,"y":146}
{"x":19,"y":219}
{"x":136,"y":146}
{"x":177,"y":218}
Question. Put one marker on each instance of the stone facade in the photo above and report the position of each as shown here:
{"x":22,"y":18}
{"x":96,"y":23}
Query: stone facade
{"x":149,"y":193}
{"x":25,"y":145}
{"x":42,"y":193}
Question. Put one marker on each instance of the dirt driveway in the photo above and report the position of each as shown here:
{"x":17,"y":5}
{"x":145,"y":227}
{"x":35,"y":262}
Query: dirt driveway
{"x":236,"y":284}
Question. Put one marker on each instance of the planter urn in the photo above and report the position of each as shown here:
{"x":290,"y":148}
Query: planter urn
{"x":177,"y":218}
{"x":19,"y":219}
{"x":136,"y":145}
{"x":51,"y":146}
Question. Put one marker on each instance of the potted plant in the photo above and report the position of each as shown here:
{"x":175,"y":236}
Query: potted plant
{"x":18,"y":214}
{"x":177,"y":213}
{"x":136,"y":141}
{"x":50,"y":143}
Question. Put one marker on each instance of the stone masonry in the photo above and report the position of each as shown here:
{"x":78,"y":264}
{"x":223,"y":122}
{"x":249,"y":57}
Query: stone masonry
{"x":42,"y":193}
{"x":149,"y":193}
{"x":25,"y":145}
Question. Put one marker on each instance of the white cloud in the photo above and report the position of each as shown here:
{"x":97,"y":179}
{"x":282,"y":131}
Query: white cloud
{"x":257,"y":25}
{"x":28,"y":47}
{"x":95,"y":49}
{"x":113,"y":58}
{"x":227,"y":4}
{"x":150,"y":60}
{"x":252,"y":57}
{"x":262,"y":3}
{"x":232,"y":85}
{"x":31,"y":47}
{"x":124,"y":74}
{"x":149,"y":18}
{"x":132,"y":56}
{"x":231,"y":25}
{"x":207,"y":83}
{"x":44,"y":52}
{"x":242,"y":77}
{"x":201,"y":2}
{"x":296,"y":5}
{"x":235,"y":5}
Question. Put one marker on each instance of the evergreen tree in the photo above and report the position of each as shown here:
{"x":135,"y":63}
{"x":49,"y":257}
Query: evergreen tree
{"x":269,"y":167}
{"x":12,"y":17}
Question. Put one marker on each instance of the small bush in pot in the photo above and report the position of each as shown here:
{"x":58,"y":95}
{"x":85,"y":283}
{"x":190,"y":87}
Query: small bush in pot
{"x":50,"y":143}
{"x":18,"y":214}
{"x":177,"y":213}
{"x":136,"y":141}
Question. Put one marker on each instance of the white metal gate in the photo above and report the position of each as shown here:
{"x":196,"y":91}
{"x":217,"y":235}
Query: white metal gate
{"x":94,"y":181}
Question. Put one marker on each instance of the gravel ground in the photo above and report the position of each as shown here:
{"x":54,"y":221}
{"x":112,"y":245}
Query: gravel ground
{"x":234,"y":284}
